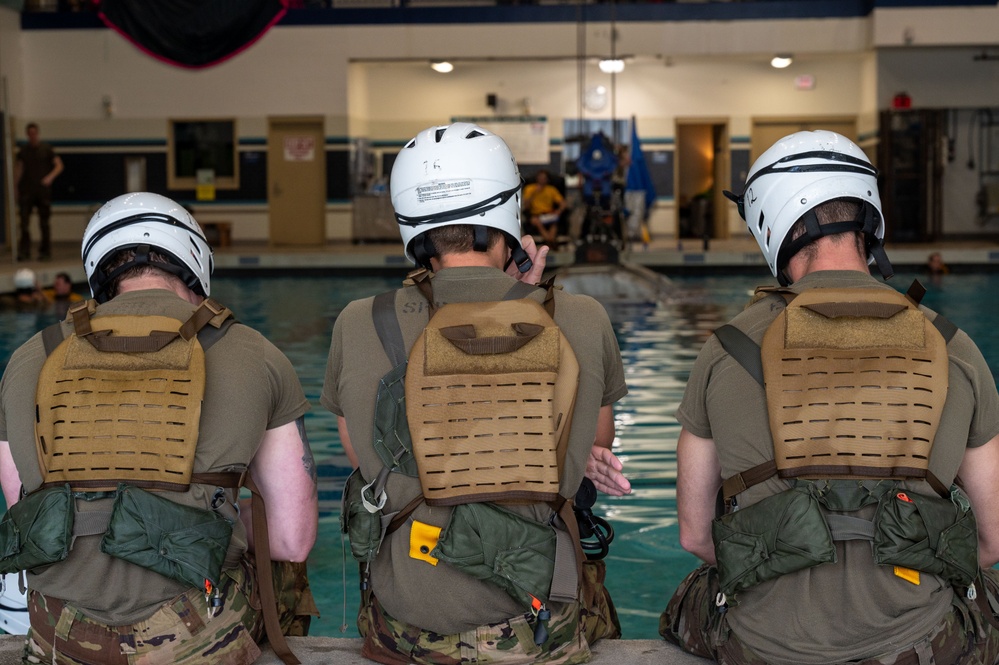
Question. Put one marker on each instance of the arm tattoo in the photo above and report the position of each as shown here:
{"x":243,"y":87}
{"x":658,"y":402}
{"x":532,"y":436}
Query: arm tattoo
{"x":308,"y":461}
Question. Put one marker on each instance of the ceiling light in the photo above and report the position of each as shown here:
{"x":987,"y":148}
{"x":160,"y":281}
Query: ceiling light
{"x":612,"y":66}
{"x":781,"y":60}
{"x":444,"y":67}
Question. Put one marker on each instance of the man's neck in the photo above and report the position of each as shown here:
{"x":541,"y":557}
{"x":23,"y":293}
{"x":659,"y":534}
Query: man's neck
{"x":832,"y":254}
{"x":147,"y":282}
{"x":494,"y":257}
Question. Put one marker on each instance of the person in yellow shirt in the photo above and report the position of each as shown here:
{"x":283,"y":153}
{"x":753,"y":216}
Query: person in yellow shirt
{"x":543,"y":205}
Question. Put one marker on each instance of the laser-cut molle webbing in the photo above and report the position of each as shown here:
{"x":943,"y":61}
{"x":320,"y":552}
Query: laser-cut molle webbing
{"x":856,"y":381}
{"x":485,"y":409}
{"x":123,"y":415}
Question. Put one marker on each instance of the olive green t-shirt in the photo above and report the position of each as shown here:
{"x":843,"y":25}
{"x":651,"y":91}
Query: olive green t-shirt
{"x":440,"y":598}
{"x":851,"y":609}
{"x":250,"y":387}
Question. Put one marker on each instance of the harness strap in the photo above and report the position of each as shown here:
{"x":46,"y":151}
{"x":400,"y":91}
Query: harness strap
{"x":210,"y":311}
{"x":744,"y":350}
{"x":265,"y":577}
{"x":740,"y":482}
{"x":844,"y":527}
{"x":387,"y":326}
{"x":91,"y":523}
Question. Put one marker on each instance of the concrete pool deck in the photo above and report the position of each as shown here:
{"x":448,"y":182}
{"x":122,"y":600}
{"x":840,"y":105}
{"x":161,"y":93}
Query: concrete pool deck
{"x":347,"y":651}
{"x":666,"y":255}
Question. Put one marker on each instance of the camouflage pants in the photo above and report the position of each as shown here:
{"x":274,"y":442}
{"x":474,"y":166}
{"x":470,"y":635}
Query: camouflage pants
{"x":571,"y":629}
{"x":964,"y":637}
{"x":181,"y":631}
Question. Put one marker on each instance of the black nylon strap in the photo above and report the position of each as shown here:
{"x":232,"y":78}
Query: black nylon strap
{"x":387,"y":326}
{"x":745,"y":351}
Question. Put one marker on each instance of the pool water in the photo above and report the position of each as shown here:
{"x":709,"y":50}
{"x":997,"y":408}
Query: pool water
{"x":658,"y":346}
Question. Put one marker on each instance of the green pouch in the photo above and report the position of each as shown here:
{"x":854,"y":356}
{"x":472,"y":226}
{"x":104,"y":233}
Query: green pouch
{"x":363,"y":528}
{"x":781,"y":534}
{"x":180,"y":542}
{"x":498,"y":546}
{"x":928,"y":533}
{"x":37,"y":530}
{"x":392,"y":440}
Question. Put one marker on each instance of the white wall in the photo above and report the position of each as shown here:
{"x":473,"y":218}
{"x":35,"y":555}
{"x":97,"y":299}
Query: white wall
{"x":374,"y":82}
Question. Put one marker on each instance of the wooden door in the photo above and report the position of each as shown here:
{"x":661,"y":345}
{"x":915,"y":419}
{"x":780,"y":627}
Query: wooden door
{"x":296,"y":181}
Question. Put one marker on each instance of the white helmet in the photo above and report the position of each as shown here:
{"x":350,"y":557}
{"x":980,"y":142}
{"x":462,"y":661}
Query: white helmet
{"x":798,"y":173}
{"x":144,"y":222}
{"x":24,"y":279}
{"x":456,"y":174}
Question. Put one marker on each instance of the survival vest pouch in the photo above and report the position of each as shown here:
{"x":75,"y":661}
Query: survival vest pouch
{"x":792,"y":530}
{"x":37,"y":530}
{"x":362,"y":526}
{"x":493,"y":544}
{"x":856,"y":381}
{"x":180,"y":542}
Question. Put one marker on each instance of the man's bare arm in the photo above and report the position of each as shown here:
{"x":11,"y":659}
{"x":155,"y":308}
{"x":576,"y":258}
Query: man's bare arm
{"x":285,"y":473}
{"x":57,"y":168}
{"x":10,"y":479}
{"x":697,"y":485}
{"x":977,"y":476}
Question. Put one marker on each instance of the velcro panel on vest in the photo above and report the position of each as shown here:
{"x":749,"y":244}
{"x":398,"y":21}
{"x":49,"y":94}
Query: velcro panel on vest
{"x":856,"y":381}
{"x":109,"y":417}
{"x":484,"y":423}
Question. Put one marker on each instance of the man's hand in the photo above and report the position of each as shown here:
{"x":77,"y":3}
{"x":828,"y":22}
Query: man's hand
{"x":604,"y":469}
{"x":538,"y":260}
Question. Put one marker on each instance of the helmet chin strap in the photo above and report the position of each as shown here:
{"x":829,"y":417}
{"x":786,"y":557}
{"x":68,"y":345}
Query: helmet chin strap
{"x":517,"y":255}
{"x":423,"y":249}
{"x":866,"y":222}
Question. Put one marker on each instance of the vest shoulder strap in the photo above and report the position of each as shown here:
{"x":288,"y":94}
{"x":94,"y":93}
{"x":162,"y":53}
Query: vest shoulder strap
{"x":386,"y":319}
{"x":743,"y":349}
{"x":220,"y":317}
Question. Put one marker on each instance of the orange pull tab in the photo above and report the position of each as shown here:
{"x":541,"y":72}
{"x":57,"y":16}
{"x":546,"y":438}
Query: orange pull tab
{"x":902,"y":496}
{"x":422,"y":540}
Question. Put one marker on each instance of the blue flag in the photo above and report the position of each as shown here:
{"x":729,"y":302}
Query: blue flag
{"x":640,"y":192}
{"x":639,"y":179}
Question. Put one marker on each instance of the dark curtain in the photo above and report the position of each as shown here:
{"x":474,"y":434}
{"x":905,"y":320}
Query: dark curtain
{"x":192,"y":33}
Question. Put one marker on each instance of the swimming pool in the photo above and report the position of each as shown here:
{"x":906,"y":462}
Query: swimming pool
{"x":658,"y":346}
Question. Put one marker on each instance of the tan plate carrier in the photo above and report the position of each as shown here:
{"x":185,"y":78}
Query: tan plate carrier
{"x":856,"y":381}
{"x":487,"y":404}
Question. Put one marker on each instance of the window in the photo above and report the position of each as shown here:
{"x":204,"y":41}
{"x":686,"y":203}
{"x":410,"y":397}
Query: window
{"x":202,"y":145}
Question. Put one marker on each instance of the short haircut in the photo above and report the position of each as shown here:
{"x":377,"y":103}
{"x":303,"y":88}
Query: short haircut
{"x":830,"y":212}
{"x":460,"y":238}
{"x":127,"y":255}
{"x":29,"y":126}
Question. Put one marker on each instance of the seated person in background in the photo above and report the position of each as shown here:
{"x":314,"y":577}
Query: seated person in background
{"x":544,"y":205}
{"x":62,"y":289}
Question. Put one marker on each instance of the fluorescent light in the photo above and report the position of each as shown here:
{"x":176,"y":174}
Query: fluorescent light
{"x":615,"y":66}
{"x":444,"y":67}
{"x":781,"y":60}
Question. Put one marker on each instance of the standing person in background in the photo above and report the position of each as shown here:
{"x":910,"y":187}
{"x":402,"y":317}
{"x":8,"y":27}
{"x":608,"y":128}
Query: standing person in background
{"x":36,"y":167}
{"x":854,"y":437}
{"x":138,"y":551}
{"x":455,"y":190}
